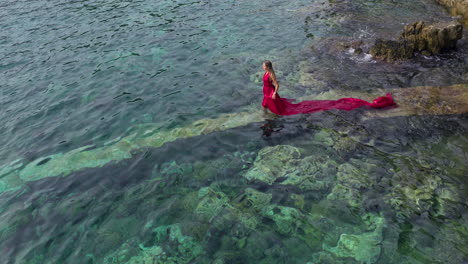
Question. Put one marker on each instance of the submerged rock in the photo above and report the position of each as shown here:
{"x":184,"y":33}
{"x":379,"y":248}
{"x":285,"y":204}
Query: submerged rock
{"x":283,"y":165}
{"x":285,"y":218}
{"x":450,"y":203}
{"x":257,"y":199}
{"x":292,"y":222}
{"x":353,"y":180}
{"x":181,"y":249}
{"x":211,"y":202}
{"x":412,"y":193}
{"x":364,"y":247}
{"x":271,"y":163}
{"x":419,"y":37}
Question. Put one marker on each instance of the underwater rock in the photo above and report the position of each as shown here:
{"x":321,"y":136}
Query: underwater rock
{"x":282,"y":165}
{"x":419,"y":37}
{"x":351,"y":182}
{"x":232,"y":162}
{"x":412,"y":193}
{"x":312,"y":173}
{"x":452,"y":240}
{"x":180,"y":249}
{"x":290,"y":221}
{"x":211,"y":203}
{"x":258,"y":199}
{"x":338,"y":141}
{"x":285,"y":218}
{"x":271,"y":162}
{"x":324,"y":137}
{"x":450,"y":203}
{"x":172,"y":167}
{"x":364,"y":247}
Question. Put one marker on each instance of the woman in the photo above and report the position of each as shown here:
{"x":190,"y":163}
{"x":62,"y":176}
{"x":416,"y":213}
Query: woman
{"x":270,"y":84}
{"x":283,"y":106}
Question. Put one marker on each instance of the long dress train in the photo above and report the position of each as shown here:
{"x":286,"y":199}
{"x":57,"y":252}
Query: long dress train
{"x":283,"y":106}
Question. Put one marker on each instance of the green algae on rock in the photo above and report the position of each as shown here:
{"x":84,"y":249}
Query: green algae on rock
{"x":364,"y":247}
{"x":270,"y":162}
{"x":258,"y":199}
{"x":180,"y":249}
{"x":283,"y":165}
{"x":351,"y":182}
{"x":211,"y":202}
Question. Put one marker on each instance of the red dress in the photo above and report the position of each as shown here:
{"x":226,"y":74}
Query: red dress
{"x":283,"y":106}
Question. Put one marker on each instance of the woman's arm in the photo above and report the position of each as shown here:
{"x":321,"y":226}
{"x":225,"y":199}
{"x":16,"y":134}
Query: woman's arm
{"x":276,"y":84}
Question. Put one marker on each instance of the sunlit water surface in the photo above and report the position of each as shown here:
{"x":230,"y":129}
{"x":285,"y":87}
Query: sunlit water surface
{"x":345,"y":188}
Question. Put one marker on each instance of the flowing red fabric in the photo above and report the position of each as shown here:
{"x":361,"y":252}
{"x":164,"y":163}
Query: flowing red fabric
{"x":283,"y":106}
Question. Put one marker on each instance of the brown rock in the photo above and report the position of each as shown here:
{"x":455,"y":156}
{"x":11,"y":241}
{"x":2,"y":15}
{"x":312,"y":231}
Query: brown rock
{"x":457,"y":7}
{"x":419,"y":37}
{"x":432,"y":39}
{"x":391,"y":50}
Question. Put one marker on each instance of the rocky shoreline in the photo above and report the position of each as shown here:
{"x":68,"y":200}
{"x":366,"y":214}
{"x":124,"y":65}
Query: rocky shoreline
{"x":419,"y":37}
{"x":457,"y":7}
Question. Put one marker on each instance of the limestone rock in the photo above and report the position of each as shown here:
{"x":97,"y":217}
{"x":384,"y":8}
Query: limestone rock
{"x":292,"y":222}
{"x":432,"y":39}
{"x":211,"y":203}
{"x":450,"y":203}
{"x":270,"y":163}
{"x":413,"y":193}
{"x":257,"y":199}
{"x":391,"y":50}
{"x":364,"y":247}
{"x":286,"y":218}
{"x":284,"y":165}
{"x":419,"y":37}
{"x":457,"y":7}
{"x":352,"y":180}
{"x":183,"y":249}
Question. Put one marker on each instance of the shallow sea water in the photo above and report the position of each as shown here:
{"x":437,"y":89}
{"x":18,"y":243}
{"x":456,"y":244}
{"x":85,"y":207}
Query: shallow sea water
{"x":122,"y":143}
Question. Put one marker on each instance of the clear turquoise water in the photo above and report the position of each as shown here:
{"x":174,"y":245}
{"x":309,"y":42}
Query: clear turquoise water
{"x":84,"y":73}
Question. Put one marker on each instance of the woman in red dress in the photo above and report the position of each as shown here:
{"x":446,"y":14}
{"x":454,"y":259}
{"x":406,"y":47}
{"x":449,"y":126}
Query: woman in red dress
{"x":283,"y":106}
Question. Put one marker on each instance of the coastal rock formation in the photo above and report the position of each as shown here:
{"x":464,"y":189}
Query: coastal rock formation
{"x":391,"y":50}
{"x":419,"y":37}
{"x":457,"y":7}
{"x":432,"y":39}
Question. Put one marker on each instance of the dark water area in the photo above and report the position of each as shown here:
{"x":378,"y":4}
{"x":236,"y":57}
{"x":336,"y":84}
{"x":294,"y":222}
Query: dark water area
{"x":329,"y":187}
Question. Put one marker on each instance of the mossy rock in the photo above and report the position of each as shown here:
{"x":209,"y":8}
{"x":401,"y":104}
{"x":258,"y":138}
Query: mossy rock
{"x":364,"y":247}
{"x":211,"y":202}
{"x":283,"y":165}
{"x":258,"y":200}
{"x":270,"y":163}
{"x":413,"y":193}
{"x":351,"y":182}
